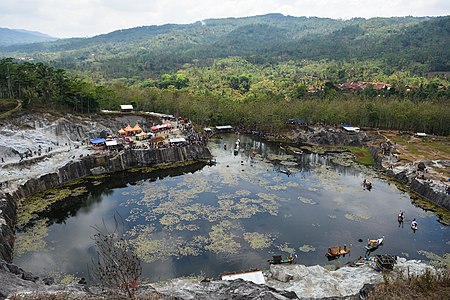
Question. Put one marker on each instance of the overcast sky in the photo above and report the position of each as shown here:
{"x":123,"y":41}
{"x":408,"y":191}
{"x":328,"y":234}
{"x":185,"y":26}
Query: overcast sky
{"x":80,"y":18}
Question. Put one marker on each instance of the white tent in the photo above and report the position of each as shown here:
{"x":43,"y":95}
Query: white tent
{"x":111,"y":143}
{"x":177,"y":140}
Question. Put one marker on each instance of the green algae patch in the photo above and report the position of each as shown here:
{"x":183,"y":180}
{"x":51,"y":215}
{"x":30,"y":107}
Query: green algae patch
{"x":436,"y":260}
{"x":33,"y":239}
{"x":223,"y":238}
{"x":306,"y":200}
{"x":63,"y":278}
{"x":286,"y":248}
{"x":307,"y":248}
{"x":357,"y":217}
{"x":258,"y":240}
{"x":150,"y":245}
{"x":164,"y":166}
{"x":39,"y":203}
{"x":427,"y":205}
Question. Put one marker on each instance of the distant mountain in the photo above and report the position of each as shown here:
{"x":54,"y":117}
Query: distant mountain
{"x":417,"y":44}
{"x":10,"y":37}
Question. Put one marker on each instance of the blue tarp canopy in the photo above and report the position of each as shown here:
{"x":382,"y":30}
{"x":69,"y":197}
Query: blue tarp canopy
{"x":98,"y":141}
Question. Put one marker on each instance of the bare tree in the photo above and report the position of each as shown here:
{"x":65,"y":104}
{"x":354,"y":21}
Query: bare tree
{"x":116,"y":266}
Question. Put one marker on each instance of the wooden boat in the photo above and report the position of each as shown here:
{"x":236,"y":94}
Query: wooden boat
{"x":374,"y":244}
{"x":336,"y":251}
{"x":277,"y":259}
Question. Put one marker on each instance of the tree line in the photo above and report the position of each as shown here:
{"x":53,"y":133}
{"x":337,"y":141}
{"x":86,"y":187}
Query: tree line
{"x":238,"y":93}
{"x":40,"y":85}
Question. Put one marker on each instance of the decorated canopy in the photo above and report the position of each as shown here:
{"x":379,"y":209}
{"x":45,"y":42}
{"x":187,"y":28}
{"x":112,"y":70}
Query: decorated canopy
{"x":98,"y":141}
{"x":136,"y":128}
{"x":121,"y":131}
{"x":128,"y":128}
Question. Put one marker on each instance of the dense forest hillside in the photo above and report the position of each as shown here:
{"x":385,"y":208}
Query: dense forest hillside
{"x":10,"y":37}
{"x":408,"y":43}
{"x":256,"y":72}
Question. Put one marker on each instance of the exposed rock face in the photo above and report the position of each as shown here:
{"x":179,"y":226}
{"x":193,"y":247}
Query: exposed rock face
{"x":12,"y":280}
{"x":110,"y":163}
{"x":407,"y":175}
{"x":315,"y":282}
{"x":221,"y":290}
{"x":331,"y":136}
{"x":8,"y":208}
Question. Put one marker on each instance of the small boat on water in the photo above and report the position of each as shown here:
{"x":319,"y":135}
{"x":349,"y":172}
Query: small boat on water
{"x":374,"y":244}
{"x":335,"y":252}
{"x":277,"y":259}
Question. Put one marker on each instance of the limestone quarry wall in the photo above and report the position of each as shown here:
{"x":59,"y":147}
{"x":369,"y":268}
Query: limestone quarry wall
{"x":87,"y":165}
{"x":422,"y":187}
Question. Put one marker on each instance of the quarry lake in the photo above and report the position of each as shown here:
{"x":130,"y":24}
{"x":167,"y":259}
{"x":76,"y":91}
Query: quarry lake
{"x":231,"y":216}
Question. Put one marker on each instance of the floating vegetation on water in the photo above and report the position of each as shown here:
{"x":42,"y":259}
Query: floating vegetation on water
{"x":275,"y":157}
{"x":258,"y":240}
{"x":188,"y":227}
{"x":289,"y":163}
{"x":63,"y":279}
{"x":152,"y":193}
{"x":149,"y":246}
{"x":307,"y":248}
{"x":243,"y":193}
{"x":405,"y":254}
{"x":432,"y":208}
{"x":222,"y":238}
{"x":313,"y":189}
{"x":326,"y":175}
{"x":332,"y":216}
{"x":436,"y":260}
{"x":286,"y":248}
{"x":169,"y":219}
{"x":33,"y":239}
{"x":306,"y":200}
{"x":193,"y":247}
{"x":356,"y":217}
{"x":40,"y":202}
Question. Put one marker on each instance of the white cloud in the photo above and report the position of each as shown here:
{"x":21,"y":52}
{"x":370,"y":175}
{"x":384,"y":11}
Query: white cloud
{"x":92,"y":17}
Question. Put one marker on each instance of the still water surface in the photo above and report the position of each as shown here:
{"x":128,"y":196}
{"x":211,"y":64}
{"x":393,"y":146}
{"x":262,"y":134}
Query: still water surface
{"x":233,"y":216}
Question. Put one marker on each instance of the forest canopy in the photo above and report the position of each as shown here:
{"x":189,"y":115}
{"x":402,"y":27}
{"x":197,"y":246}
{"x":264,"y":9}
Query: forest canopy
{"x":255,"y":72}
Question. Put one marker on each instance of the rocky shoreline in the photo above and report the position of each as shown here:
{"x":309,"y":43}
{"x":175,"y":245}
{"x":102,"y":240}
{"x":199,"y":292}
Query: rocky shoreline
{"x":79,"y":165}
{"x":294,"y":281}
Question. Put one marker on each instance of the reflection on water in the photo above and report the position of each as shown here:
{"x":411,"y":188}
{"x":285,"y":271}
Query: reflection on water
{"x":233,"y":216}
